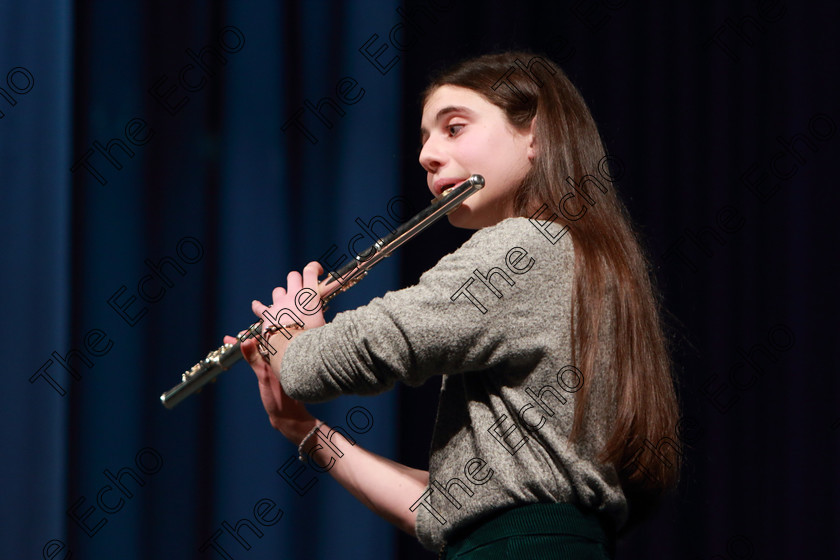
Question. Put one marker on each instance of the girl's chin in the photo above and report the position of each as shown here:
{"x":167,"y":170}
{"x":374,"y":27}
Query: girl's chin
{"x":460,"y":223}
{"x":467,"y":218}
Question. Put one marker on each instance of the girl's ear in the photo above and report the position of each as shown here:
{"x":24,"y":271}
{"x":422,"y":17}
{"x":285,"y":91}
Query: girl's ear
{"x":532,"y":139}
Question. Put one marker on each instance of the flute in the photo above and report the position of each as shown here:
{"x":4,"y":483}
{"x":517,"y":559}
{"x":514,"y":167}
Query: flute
{"x":221,"y":359}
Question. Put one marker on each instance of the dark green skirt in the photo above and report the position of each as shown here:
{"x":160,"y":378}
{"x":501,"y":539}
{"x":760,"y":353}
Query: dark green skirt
{"x":556,"y":531}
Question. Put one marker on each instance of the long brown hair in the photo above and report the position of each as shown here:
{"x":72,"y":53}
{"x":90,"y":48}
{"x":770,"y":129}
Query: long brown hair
{"x":611,"y":273}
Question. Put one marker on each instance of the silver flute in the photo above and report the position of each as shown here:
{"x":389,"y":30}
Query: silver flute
{"x":355,"y":269}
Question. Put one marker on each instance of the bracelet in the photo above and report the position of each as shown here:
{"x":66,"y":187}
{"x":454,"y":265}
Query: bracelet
{"x":301,"y":456}
{"x":270,"y":330}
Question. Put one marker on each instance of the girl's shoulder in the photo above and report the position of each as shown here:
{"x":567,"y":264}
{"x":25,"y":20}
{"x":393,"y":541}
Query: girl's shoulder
{"x":543,"y":237}
{"x":514,"y":246}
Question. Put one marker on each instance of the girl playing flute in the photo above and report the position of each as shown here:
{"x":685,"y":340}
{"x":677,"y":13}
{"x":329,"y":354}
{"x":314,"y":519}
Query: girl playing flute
{"x":557,"y":412}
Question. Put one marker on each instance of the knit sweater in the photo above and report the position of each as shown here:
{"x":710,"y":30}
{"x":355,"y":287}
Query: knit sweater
{"x":493,"y":318}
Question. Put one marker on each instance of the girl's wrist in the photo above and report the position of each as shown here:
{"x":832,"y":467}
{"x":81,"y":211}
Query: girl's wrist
{"x":297,"y":430}
{"x":306,"y":442}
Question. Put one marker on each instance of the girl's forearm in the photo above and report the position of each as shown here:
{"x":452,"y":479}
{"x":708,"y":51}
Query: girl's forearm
{"x":386,"y":487}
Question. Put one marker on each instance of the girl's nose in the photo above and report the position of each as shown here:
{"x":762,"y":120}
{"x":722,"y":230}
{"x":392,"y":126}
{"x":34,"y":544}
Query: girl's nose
{"x":431,"y":158}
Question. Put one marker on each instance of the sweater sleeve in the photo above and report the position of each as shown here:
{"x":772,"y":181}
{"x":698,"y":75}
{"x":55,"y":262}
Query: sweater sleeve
{"x":450,"y":322}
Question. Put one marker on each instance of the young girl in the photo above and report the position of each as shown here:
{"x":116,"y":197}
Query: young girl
{"x":557,"y":412}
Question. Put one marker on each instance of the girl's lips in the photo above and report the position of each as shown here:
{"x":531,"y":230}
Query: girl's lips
{"x":444,"y":184}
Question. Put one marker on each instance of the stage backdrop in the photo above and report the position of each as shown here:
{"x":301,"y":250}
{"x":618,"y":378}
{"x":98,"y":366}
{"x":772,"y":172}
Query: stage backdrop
{"x":163,"y":164}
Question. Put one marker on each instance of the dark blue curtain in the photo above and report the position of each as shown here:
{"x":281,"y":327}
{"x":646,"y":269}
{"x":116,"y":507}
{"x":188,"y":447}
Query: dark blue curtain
{"x":157,"y":176}
{"x":36,"y":105}
{"x":163,"y":164}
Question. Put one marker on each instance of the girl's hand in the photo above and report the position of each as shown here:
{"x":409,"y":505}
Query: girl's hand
{"x":299,"y":302}
{"x":298,"y":307}
{"x":287,"y":415}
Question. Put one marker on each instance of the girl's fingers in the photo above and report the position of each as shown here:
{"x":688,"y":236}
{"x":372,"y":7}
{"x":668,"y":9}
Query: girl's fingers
{"x":257,"y":307}
{"x":294,"y":282}
{"x":310,"y":275}
{"x":250,"y":352}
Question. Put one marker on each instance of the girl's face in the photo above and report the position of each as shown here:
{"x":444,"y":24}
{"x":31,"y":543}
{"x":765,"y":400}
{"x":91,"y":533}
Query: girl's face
{"x":462,"y":134}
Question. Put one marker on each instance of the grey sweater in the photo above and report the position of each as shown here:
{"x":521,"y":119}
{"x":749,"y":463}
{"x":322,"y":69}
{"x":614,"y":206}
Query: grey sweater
{"x":493,"y":319}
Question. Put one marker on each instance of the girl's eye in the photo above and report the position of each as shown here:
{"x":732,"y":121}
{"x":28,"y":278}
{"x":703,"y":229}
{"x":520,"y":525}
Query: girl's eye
{"x":454,"y":129}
